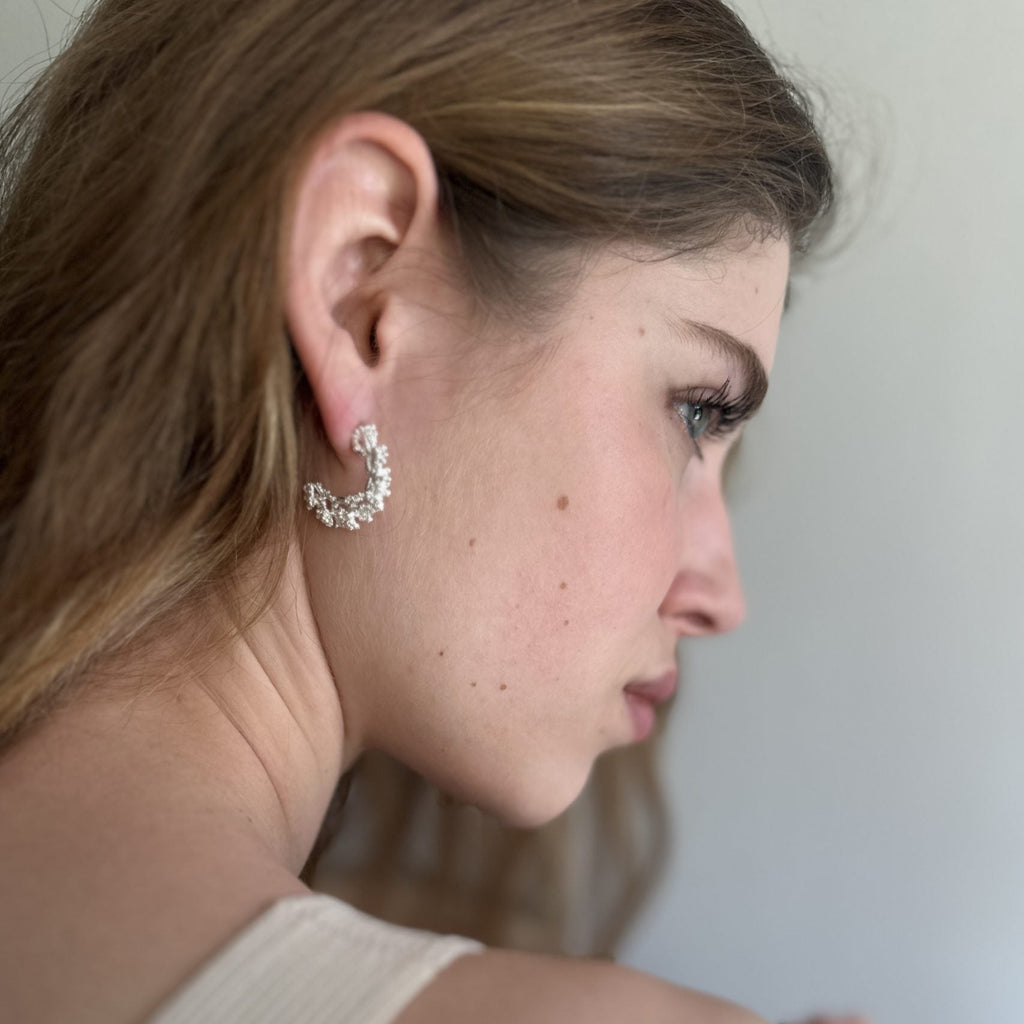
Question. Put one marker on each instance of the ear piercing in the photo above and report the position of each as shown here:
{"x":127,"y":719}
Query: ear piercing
{"x":349,"y":511}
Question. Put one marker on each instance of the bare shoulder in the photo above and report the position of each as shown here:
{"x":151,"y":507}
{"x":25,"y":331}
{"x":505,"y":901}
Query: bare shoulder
{"x":503,"y":987}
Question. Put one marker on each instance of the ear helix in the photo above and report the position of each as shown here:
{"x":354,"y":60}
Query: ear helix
{"x":349,"y":511}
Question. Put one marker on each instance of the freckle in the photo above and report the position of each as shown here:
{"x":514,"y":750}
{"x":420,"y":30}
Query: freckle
{"x":567,"y":622}
{"x":563,"y":502}
{"x":472,"y":684}
{"x":503,"y":686}
{"x":440,"y":654}
{"x":562,"y":585}
{"x":643,"y":331}
{"x":472,"y":542}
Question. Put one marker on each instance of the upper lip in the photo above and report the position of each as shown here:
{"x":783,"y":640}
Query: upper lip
{"x":657,"y":691}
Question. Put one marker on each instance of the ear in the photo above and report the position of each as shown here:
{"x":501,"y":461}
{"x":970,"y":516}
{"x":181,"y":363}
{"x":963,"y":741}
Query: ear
{"x":367,"y":189}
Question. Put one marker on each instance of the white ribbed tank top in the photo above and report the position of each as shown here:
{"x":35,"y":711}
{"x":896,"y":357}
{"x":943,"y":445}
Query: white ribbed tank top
{"x":313,"y":959}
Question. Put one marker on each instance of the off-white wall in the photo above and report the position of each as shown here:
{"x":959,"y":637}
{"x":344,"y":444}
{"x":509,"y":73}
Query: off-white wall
{"x":29,"y":30}
{"x":847,"y":771}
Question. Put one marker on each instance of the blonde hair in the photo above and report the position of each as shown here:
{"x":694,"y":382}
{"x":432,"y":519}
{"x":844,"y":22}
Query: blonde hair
{"x":150,"y":396}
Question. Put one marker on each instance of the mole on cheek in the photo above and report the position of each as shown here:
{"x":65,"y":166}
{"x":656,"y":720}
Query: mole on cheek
{"x":562,"y":585}
{"x":503,"y":687}
{"x":563,"y":503}
{"x":472,"y":542}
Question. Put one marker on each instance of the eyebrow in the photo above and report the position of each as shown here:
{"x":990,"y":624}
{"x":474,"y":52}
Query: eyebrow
{"x":722,"y":343}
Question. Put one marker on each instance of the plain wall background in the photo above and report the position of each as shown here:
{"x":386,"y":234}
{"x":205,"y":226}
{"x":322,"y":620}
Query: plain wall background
{"x":847,"y":771}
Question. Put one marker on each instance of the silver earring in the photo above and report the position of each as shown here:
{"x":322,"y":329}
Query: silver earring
{"x":348,"y":512}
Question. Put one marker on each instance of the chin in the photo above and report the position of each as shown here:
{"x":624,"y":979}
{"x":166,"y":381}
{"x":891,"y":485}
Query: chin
{"x":525,"y":800}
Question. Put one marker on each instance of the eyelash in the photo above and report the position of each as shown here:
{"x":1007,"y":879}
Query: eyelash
{"x":726,"y":413}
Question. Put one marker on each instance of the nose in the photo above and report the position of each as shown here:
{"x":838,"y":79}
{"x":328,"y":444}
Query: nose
{"x":706,"y":596}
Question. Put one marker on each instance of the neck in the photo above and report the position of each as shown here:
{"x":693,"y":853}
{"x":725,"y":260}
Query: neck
{"x":239,"y":759}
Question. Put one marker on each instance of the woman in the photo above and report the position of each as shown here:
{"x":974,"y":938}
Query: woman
{"x":368,"y":374}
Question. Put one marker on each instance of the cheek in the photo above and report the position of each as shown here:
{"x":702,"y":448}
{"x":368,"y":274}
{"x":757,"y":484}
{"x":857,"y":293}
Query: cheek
{"x":612,"y":556}
{"x":633,"y":562}
{"x":561,"y":538}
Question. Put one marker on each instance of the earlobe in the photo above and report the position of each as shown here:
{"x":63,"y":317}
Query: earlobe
{"x":367,"y":189}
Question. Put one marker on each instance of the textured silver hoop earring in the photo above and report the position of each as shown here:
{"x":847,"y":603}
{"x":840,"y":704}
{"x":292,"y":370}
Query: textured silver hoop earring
{"x":351,"y":510}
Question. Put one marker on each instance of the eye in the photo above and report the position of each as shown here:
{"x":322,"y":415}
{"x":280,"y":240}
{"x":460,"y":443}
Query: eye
{"x":714,"y":412}
{"x":704,"y":412}
{"x":696,"y":416}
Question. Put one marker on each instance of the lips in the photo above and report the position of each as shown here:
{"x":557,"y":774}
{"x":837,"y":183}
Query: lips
{"x":657,"y":691}
{"x":642,"y":698}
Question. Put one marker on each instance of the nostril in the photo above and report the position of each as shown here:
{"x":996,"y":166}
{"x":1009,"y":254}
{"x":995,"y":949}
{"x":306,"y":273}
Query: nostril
{"x":701,"y":621}
{"x":709,"y":617}
{"x":704,"y":603}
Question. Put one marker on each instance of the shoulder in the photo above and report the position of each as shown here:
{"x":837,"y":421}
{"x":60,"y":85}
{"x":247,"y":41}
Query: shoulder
{"x":504,"y":987}
{"x":316,"y":952}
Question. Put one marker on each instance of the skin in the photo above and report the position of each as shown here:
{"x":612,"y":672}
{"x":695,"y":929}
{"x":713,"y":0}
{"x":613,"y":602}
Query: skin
{"x":551,"y":535}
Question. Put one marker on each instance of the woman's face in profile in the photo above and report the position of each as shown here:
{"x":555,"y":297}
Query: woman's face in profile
{"x":556,"y":525}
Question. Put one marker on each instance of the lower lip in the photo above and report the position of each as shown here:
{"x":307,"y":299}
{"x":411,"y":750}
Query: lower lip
{"x":642,"y":712}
